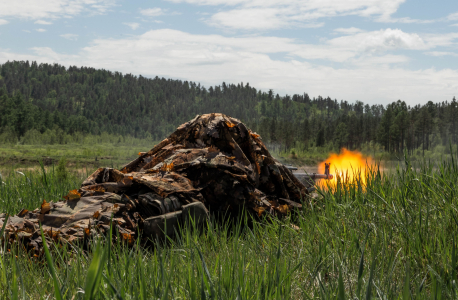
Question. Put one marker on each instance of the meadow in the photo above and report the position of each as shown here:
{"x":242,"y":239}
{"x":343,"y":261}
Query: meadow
{"x":79,"y":151}
{"x":393,"y":237}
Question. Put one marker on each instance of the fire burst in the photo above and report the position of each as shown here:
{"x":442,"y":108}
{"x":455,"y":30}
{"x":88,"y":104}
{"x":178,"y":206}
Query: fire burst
{"x":347,"y":166}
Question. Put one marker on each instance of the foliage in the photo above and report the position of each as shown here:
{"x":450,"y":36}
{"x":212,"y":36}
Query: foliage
{"x":63,"y":104}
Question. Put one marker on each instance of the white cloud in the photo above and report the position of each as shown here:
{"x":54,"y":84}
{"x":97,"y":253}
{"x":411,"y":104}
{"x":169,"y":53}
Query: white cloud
{"x":211,"y":2}
{"x":269,"y":14}
{"x":70,"y":36}
{"x":212,"y":59}
{"x":46,"y":54}
{"x":361,"y":47}
{"x":441,"y":40}
{"x":442,"y":53}
{"x":452,"y":17}
{"x":406,"y":20}
{"x":3,"y":22}
{"x":40,"y":30}
{"x":351,"y":30}
{"x":133,"y":26}
{"x":382,"y":40}
{"x":383,"y":60}
{"x":152,"y":12}
{"x":43,"y":22}
{"x":259,"y":19}
{"x":51,"y":9}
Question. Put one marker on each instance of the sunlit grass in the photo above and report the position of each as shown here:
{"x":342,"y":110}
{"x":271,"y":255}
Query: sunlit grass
{"x":391,"y":238}
{"x":78,"y":155}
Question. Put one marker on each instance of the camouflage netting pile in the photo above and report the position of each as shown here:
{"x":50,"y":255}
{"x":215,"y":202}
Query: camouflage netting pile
{"x":211,"y":163}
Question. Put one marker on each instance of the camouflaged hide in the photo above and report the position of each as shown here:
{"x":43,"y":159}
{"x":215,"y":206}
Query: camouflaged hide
{"x":212,"y":160}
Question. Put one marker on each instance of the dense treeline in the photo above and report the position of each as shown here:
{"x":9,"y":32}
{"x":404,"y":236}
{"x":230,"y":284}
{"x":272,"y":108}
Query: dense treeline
{"x":49,"y":99}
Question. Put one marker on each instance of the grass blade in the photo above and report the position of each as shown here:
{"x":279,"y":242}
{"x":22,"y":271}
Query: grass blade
{"x":112,"y":288}
{"x":360,"y":275}
{"x":204,"y":265}
{"x":15,"y":286}
{"x":57,"y":292}
{"x":94,"y":273}
{"x":341,"y":288}
{"x":371,"y":277}
{"x":406,"y":289}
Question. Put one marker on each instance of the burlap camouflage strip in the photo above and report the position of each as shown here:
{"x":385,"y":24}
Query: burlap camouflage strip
{"x":211,"y":163}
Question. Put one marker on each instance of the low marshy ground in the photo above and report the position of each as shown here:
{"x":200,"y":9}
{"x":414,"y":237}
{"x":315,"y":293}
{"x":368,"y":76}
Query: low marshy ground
{"x":393,"y":238}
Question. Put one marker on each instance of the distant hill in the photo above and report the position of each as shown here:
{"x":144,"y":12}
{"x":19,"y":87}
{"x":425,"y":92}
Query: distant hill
{"x":86,"y":100}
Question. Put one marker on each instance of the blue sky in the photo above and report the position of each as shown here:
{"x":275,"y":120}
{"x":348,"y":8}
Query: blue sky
{"x":375,"y":51}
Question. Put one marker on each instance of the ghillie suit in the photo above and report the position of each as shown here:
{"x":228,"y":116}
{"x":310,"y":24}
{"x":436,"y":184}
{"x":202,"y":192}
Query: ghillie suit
{"x":211,"y":163}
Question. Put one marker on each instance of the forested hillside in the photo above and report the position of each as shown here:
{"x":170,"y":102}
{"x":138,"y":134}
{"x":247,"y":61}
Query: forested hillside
{"x":51,"y":100}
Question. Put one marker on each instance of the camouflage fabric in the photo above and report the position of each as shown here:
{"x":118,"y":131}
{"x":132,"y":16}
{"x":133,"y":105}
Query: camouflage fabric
{"x":211,"y":163}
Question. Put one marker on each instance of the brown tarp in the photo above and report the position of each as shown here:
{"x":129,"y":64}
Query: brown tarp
{"x":211,"y":163}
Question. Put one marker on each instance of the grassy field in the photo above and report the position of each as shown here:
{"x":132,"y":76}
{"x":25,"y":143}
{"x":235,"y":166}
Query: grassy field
{"x":90,"y":151}
{"x":394,"y":238}
{"x":77,"y":156}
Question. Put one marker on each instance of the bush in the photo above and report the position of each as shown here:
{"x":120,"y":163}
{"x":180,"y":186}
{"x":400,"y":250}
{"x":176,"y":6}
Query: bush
{"x":31,"y":137}
{"x":8,"y":136}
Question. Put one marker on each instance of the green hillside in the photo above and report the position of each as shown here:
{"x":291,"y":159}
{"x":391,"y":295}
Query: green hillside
{"x":50,"y":104}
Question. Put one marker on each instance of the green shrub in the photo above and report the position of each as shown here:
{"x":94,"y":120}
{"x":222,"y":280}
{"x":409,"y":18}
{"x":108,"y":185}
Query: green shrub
{"x":32,"y":137}
{"x":8,"y":136}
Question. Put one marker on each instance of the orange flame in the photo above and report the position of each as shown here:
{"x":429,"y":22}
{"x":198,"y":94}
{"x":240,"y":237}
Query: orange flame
{"x":350,"y":166}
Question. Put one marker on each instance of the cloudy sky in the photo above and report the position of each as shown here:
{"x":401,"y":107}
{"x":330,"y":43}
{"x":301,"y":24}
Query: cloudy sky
{"x":376,"y":51}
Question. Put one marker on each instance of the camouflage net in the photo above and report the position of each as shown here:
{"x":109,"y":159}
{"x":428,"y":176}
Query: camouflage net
{"x":211,"y":163}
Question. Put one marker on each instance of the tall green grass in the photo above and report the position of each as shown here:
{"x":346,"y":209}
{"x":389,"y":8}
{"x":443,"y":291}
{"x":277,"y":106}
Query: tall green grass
{"x":27,"y":189}
{"x":394,"y":238}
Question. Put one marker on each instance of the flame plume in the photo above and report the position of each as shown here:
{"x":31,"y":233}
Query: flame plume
{"x":348,"y":166}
